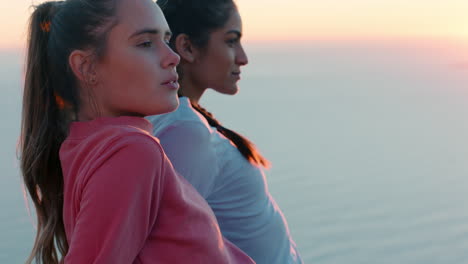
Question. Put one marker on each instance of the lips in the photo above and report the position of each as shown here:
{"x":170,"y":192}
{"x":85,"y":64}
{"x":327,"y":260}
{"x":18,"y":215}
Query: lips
{"x":172,"y":79}
{"x":172,"y":82}
{"x":236,"y":75}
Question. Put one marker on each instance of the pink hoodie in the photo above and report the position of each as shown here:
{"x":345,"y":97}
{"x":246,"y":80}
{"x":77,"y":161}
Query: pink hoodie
{"x":124,"y":203}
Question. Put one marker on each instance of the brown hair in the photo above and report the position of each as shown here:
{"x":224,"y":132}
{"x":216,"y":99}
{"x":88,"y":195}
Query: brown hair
{"x":50,"y":102}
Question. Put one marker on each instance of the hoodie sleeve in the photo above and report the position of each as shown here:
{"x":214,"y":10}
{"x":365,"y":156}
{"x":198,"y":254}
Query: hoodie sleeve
{"x":119,"y":204}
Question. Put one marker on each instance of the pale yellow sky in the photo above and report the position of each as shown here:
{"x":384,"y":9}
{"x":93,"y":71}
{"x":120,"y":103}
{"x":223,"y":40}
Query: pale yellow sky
{"x":305,"y":19}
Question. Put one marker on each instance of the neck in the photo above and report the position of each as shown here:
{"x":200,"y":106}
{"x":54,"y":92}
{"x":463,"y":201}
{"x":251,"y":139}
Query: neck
{"x":189,"y":88}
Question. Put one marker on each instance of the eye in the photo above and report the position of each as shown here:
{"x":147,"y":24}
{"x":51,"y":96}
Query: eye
{"x":232,"y":42}
{"x":146,"y":44}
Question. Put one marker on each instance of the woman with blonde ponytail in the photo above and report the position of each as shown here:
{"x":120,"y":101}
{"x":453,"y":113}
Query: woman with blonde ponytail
{"x":224,"y":166}
{"x":103,"y":189}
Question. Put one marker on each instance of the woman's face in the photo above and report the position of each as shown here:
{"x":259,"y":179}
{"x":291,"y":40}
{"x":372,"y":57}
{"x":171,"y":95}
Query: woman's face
{"x":137,"y":75}
{"x":218,"y":66}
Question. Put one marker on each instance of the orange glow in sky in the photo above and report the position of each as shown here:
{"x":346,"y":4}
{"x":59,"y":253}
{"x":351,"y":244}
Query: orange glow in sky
{"x":305,"y":19}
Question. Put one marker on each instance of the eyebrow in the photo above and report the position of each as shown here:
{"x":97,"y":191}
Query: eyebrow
{"x":150,"y":31}
{"x":237,"y":32}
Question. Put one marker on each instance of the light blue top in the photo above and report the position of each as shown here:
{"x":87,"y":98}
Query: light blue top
{"x":235,"y":189}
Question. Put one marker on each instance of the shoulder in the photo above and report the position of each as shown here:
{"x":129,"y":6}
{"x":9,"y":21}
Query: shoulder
{"x":187,"y":130}
{"x":129,"y":141}
{"x":185,"y":113}
{"x":131,"y":158}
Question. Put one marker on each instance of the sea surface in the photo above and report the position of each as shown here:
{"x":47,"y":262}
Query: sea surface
{"x":368,"y":141}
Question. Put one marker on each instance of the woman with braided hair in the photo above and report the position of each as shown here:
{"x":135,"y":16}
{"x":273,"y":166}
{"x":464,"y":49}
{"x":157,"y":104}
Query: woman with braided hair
{"x":103,"y":189}
{"x":225,"y":167}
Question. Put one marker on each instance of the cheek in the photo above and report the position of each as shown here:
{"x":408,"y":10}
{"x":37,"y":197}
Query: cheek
{"x":219,"y":65}
{"x":130,"y":69}
{"x":223,"y":58}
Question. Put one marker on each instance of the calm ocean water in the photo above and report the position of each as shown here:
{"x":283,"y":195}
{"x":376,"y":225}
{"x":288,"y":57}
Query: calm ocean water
{"x":368,"y":142}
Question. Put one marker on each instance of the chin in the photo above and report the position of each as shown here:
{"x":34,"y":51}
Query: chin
{"x":169,"y":106}
{"x":232,"y":90}
{"x":173,"y":106}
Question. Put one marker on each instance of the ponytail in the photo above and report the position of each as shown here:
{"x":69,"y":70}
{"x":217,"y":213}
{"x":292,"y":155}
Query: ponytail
{"x":50,"y":103}
{"x":245,"y":146}
{"x":41,"y":136}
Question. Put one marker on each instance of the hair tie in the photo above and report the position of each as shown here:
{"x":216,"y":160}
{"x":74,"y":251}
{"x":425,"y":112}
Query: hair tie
{"x":45,"y":26}
{"x":59,"y":101}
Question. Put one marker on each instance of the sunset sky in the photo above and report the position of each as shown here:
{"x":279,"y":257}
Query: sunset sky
{"x":293,"y":20}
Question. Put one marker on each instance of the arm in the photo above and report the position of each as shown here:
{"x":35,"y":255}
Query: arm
{"x":119,"y":205}
{"x":189,"y":148}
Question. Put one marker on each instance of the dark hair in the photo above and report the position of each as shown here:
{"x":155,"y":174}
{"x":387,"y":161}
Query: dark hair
{"x":50,"y":103}
{"x":198,"y":19}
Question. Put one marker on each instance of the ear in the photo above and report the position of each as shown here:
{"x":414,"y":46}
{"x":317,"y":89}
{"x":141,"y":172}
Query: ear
{"x":185,"y":48}
{"x":81,"y":63}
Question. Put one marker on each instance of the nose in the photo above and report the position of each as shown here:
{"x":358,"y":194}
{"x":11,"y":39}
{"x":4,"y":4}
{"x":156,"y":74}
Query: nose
{"x":241,"y":57}
{"x":170,"y":58}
